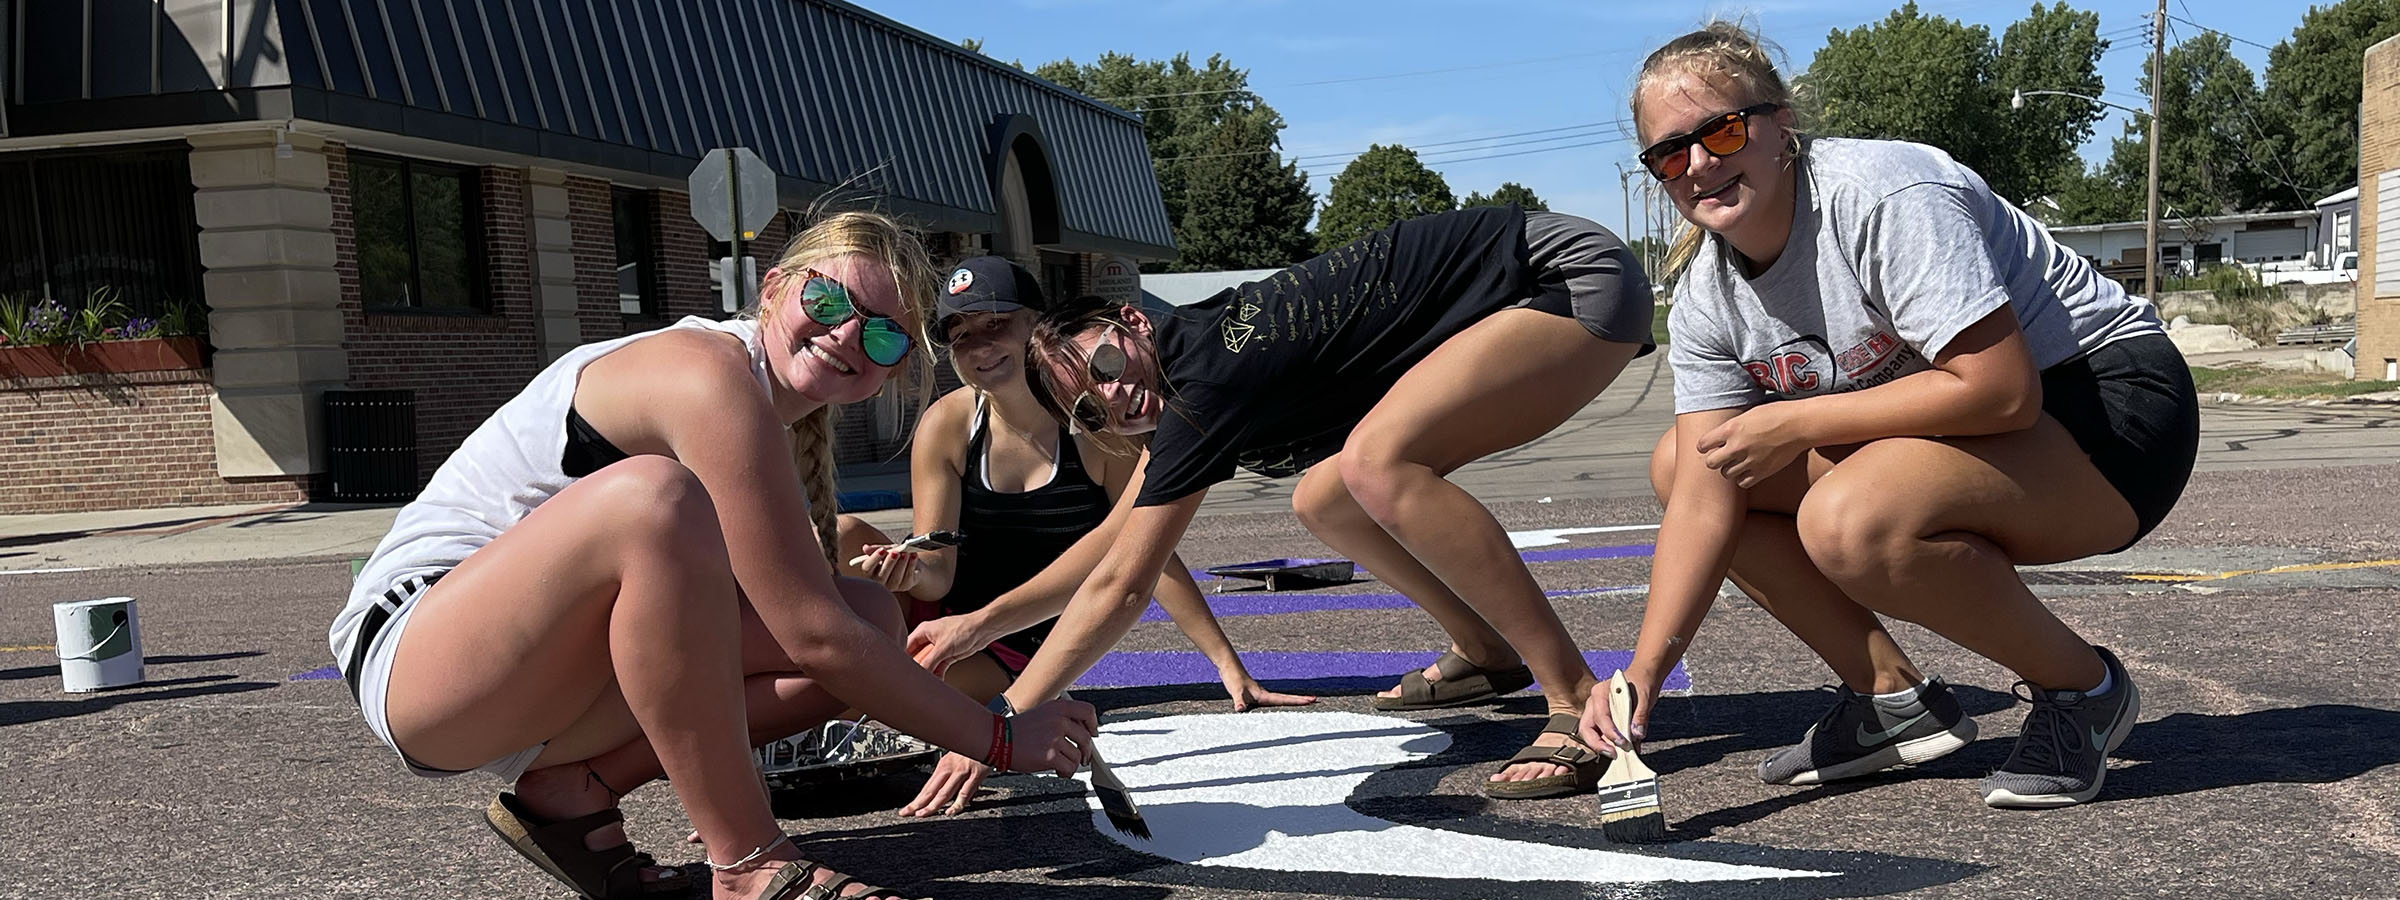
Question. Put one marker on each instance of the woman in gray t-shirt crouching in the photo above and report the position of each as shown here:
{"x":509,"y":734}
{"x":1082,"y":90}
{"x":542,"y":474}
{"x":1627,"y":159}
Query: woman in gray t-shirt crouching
{"x":1891,"y":388}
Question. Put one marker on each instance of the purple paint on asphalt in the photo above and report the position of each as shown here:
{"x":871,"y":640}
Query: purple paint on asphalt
{"x":329,"y":673}
{"x":1564,"y":554}
{"x":1270,"y":604}
{"x":1161,"y":667}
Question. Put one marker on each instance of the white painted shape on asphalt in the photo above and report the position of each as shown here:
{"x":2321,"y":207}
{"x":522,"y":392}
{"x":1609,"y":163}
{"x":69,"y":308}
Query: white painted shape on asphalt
{"x":45,"y":571}
{"x":1545,"y":537}
{"x":1268,"y":791}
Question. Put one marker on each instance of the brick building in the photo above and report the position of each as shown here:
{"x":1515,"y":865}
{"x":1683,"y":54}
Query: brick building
{"x":441,"y":197}
{"x":2379,"y":214}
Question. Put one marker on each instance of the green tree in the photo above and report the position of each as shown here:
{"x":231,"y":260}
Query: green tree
{"x":1379,"y":187}
{"x":1508,"y":192}
{"x":1936,"y":81}
{"x":2052,"y":49}
{"x":2096,"y":197}
{"x":1181,"y":106}
{"x":1243,"y":209}
{"x":2313,"y":88}
{"x":2210,"y":137}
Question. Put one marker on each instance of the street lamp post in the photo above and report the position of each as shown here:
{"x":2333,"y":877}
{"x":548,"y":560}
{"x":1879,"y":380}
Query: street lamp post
{"x":2150,"y":223}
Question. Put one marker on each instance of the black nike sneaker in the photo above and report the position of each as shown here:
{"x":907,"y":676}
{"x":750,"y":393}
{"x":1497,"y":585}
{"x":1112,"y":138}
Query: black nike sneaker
{"x":1858,"y":736}
{"x":2062,"y":755}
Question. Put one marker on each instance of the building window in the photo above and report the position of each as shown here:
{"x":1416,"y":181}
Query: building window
{"x":2208,"y":254}
{"x":637,"y":276}
{"x":80,"y":223}
{"x":2341,"y":233}
{"x":417,"y":235}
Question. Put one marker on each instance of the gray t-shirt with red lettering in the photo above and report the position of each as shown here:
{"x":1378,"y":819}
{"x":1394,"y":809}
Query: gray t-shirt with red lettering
{"x":1895,"y":249}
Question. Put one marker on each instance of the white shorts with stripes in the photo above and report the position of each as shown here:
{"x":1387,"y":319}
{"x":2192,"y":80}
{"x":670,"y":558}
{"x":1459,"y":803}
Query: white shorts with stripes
{"x":371,"y":677}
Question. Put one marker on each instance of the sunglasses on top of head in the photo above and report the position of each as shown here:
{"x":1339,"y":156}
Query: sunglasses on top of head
{"x":1722,"y":136}
{"x":828,"y":303}
{"x":1105,"y":366}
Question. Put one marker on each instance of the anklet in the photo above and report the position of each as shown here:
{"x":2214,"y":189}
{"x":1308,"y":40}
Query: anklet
{"x":613,"y":793}
{"x":750,"y":861}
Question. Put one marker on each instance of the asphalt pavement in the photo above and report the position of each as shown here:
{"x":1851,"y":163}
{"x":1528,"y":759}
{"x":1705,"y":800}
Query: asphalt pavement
{"x":2257,"y":621}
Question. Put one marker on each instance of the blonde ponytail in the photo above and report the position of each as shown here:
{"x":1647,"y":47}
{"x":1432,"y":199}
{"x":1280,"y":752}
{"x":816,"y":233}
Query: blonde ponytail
{"x":812,"y":455}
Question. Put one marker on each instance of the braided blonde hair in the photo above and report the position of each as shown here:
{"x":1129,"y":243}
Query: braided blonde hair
{"x":1723,"y":52}
{"x":881,"y":238}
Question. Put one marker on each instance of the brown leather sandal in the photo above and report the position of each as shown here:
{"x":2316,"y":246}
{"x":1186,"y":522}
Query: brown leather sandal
{"x":1462,"y":682}
{"x":1584,"y":766}
{"x":796,"y":877}
{"x":557,"y":848}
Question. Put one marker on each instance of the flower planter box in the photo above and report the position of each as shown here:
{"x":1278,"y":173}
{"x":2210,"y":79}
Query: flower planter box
{"x":145,"y":355}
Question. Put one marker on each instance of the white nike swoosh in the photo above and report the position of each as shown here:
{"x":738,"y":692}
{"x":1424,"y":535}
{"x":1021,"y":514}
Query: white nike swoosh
{"x":1873,"y":737}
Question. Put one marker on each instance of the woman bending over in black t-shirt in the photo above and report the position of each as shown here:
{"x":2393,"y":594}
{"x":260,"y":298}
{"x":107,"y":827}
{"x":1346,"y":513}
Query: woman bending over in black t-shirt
{"x":1376,"y":369}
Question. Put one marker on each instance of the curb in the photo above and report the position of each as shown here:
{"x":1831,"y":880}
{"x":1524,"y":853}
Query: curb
{"x":2227,"y":398}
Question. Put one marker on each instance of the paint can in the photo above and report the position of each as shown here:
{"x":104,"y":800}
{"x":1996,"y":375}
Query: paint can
{"x":99,"y":644}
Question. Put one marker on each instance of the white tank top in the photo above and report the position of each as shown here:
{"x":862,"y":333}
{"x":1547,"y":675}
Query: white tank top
{"x":508,"y":466}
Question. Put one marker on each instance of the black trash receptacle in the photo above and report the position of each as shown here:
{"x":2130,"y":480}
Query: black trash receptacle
{"x":370,"y":445}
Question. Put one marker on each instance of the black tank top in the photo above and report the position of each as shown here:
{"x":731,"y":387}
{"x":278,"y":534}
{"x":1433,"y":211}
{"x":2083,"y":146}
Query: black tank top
{"x":1009,"y":537}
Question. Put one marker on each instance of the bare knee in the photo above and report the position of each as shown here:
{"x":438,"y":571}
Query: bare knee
{"x":1377,"y":481}
{"x":1662,"y":466}
{"x":874,"y":604}
{"x":1322,"y":502}
{"x":1853,"y":532}
{"x":854,"y":533}
{"x":659,"y":511}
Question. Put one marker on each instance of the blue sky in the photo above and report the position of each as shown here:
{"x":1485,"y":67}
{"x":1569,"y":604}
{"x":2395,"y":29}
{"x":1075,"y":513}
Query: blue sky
{"x":1530,"y":66}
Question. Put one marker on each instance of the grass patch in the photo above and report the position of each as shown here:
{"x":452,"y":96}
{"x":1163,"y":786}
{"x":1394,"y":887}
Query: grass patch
{"x":1658,"y":324}
{"x":2256,"y":381}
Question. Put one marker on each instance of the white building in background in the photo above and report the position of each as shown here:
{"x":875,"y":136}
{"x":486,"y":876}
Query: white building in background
{"x":2337,"y":226}
{"x":2187,"y":244}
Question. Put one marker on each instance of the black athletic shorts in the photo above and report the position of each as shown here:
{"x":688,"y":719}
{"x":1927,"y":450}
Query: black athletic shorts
{"x":2131,"y":406}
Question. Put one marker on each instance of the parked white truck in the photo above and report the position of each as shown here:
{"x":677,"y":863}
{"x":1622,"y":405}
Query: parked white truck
{"x":2344,"y":268}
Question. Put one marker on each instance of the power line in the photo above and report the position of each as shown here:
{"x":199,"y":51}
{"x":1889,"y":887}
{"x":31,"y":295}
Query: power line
{"x":1584,"y":138}
{"x":1607,"y":123}
{"x":1600,"y":124}
{"x":1493,"y":65}
{"x":2187,"y":8}
{"x":1492,"y":156}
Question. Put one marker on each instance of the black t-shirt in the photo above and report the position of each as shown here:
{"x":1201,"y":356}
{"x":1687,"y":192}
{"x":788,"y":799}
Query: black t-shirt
{"x":1273,"y":374}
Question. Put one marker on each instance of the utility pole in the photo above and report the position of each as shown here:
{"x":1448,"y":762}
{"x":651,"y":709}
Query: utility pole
{"x":1649,"y":230}
{"x":2158,"y":75}
{"x":1625,"y":192}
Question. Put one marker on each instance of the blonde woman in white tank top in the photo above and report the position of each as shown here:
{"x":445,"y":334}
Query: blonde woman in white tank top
{"x":662,"y":613}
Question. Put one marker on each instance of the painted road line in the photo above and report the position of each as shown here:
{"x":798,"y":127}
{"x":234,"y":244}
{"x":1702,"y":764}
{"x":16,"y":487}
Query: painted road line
{"x":1154,"y":668}
{"x":1271,"y":604}
{"x":2278,"y":570}
{"x":47,"y":571}
{"x":1270,"y":792}
{"x":28,"y":648}
{"x":1548,"y":536}
{"x":328,"y":673}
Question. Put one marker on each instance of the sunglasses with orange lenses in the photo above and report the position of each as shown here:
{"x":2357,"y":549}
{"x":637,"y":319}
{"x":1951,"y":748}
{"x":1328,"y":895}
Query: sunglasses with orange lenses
{"x":1722,"y":136}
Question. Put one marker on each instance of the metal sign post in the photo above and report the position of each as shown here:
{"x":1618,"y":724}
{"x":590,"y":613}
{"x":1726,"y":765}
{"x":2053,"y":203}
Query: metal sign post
{"x":733,"y":197}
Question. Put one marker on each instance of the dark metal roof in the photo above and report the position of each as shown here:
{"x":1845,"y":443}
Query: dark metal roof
{"x":827,"y":92}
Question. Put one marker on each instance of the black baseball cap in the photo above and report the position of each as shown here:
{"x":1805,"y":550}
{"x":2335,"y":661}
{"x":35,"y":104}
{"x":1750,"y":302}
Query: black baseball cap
{"x":987,"y":284}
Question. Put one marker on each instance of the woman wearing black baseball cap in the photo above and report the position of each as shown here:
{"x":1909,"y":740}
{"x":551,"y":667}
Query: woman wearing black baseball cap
{"x":1020,"y":490}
